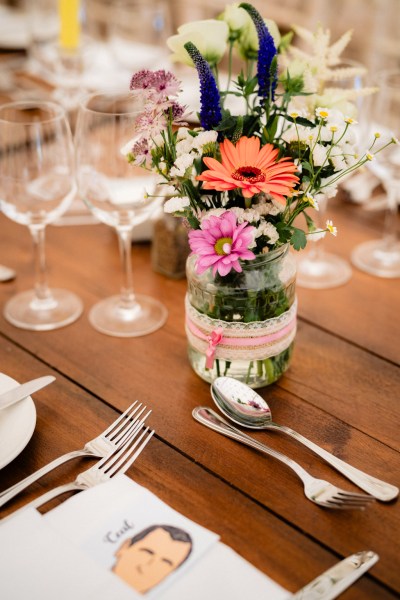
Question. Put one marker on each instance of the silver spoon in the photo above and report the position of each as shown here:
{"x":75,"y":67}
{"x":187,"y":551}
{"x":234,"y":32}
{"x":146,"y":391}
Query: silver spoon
{"x":244,"y":406}
{"x":6,"y":274}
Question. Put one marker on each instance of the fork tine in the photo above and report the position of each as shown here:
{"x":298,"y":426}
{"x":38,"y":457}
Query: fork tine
{"x":134,"y":428}
{"x":119,"y":419}
{"x":348,"y":502}
{"x":107,"y":461}
{"x":355,"y":496}
{"x":125,"y":427}
{"x":130,"y":435}
{"x":345,"y":506}
{"x":125,"y":418}
{"x":124,"y":467}
{"x":118,"y":458}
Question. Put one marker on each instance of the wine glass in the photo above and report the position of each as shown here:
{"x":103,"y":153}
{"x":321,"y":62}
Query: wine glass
{"x":138,"y":30}
{"x":37,"y":185}
{"x":119,"y":195}
{"x":317,"y":269}
{"x":382,"y":257}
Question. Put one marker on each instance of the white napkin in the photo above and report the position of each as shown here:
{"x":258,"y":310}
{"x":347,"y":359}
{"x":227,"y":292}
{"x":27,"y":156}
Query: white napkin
{"x":39,"y":564}
{"x":121,"y":507}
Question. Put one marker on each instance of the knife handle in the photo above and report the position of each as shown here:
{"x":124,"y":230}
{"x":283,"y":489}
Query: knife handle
{"x":334,"y":581}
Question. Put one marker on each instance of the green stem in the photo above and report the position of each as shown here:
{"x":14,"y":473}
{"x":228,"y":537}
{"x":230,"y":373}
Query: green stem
{"x":251,"y":365}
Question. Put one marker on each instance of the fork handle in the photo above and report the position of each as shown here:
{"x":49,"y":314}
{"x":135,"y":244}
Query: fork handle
{"x":211,"y":419}
{"x":377,"y":488}
{"x":47,"y":496}
{"x":12,"y":491}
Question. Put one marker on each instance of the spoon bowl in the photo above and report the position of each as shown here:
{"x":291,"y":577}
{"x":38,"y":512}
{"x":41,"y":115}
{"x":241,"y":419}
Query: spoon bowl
{"x":244,"y":406}
{"x":240,"y":403}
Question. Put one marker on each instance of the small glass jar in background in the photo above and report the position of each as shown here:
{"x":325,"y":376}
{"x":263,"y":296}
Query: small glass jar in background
{"x":170,"y":246}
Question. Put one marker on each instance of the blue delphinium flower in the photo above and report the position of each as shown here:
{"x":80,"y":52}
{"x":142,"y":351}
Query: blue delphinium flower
{"x":210,"y":102}
{"x":266,"y":69}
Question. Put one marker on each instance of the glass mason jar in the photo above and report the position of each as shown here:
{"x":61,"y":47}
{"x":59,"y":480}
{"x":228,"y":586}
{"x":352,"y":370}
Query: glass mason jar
{"x":243,"y":325}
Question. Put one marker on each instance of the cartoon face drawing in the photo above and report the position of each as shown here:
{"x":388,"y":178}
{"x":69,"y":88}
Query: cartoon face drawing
{"x":150,"y":556}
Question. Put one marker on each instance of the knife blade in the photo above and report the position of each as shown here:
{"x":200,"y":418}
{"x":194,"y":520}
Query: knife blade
{"x":24,"y":390}
{"x":338,"y":578}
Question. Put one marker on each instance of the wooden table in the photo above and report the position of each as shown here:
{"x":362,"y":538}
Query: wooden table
{"x":342,"y":391}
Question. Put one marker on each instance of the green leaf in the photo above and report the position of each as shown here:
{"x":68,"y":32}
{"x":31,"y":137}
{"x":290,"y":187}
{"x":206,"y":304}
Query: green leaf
{"x":298,"y":239}
{"x":285,"y":232}
{"x":250,"y":86}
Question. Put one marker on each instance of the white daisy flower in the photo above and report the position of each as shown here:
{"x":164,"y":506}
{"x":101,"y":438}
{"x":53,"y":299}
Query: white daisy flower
{"x":176,"y":204}
{"x":323,"y":113}
{"x":312,"y":201}
{"x":330,"y":227}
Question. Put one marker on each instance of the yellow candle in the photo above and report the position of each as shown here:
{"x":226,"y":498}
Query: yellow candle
{"x":69,"y":24}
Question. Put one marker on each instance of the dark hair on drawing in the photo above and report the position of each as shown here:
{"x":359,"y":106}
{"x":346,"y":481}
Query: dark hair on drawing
{"x":178,"y":535}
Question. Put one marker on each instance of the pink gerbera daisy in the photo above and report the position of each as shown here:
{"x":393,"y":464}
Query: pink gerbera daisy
{"x":220,"y":243}
{"x":251,"y":169}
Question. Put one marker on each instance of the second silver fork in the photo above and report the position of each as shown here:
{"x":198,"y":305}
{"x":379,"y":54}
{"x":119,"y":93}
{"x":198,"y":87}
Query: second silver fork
{"x":110,"y":439}
{"x":318,"y":491}
{"x":117,"y":461}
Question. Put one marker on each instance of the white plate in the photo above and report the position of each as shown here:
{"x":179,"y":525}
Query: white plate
{"x":17,"y":423}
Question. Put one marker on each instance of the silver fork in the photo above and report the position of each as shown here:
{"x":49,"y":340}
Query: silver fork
{"x":99,"y":447}
{"x":117,"y":461}
{"x":318,"y":491}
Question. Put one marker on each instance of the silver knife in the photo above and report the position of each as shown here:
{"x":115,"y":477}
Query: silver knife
{"x":24,"y":390}
{"x":335,"y":580}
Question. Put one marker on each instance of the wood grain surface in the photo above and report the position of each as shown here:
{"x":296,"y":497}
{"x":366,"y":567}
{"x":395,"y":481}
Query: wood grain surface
{"x":341,"y":391}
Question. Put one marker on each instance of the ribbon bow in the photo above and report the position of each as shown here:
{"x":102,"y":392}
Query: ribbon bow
{"x":213,"y":339}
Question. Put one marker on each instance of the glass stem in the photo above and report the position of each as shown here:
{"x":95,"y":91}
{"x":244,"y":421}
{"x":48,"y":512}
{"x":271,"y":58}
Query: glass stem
{"x":42,"y":292}
{"x":390,"y":226}
{"x":125,"y":247}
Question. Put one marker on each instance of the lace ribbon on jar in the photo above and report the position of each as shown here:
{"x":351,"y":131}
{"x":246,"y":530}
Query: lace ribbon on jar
{"x":229,"y":341}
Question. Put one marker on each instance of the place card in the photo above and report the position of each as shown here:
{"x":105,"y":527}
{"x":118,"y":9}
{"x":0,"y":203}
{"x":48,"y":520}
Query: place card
{"x":131,"y":533}
{"x":122,"y":522}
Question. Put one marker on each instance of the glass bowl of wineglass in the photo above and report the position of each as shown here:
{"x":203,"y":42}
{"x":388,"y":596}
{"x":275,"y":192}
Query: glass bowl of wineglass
{"x":37,"y":185}
{"x":316,"y":268}
{"x":382,"y":257}
{"x":119,"y":195}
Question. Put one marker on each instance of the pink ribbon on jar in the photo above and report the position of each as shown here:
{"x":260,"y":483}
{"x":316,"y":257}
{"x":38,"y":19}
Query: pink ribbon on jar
{"x":213,"y":339}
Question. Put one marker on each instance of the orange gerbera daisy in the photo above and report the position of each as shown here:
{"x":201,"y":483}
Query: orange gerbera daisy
{"x":252,"y":170}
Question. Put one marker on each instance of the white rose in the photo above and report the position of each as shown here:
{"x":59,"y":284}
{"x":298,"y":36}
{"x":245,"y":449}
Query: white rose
{"x":236,"y":17}
{"x":209,"y":36}
{"x":248,"y":42}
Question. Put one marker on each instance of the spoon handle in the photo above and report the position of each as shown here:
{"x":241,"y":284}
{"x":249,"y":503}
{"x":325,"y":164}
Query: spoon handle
{"x":377,"y":488}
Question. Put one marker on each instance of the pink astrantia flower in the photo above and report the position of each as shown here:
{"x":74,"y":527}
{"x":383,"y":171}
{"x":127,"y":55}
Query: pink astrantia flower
{"x":163,"y":83}
{"x":220,"y":243}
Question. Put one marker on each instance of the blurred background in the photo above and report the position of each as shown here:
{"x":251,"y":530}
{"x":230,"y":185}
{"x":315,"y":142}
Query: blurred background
{"x":375,"y":22}
{"x":47,"y":52}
